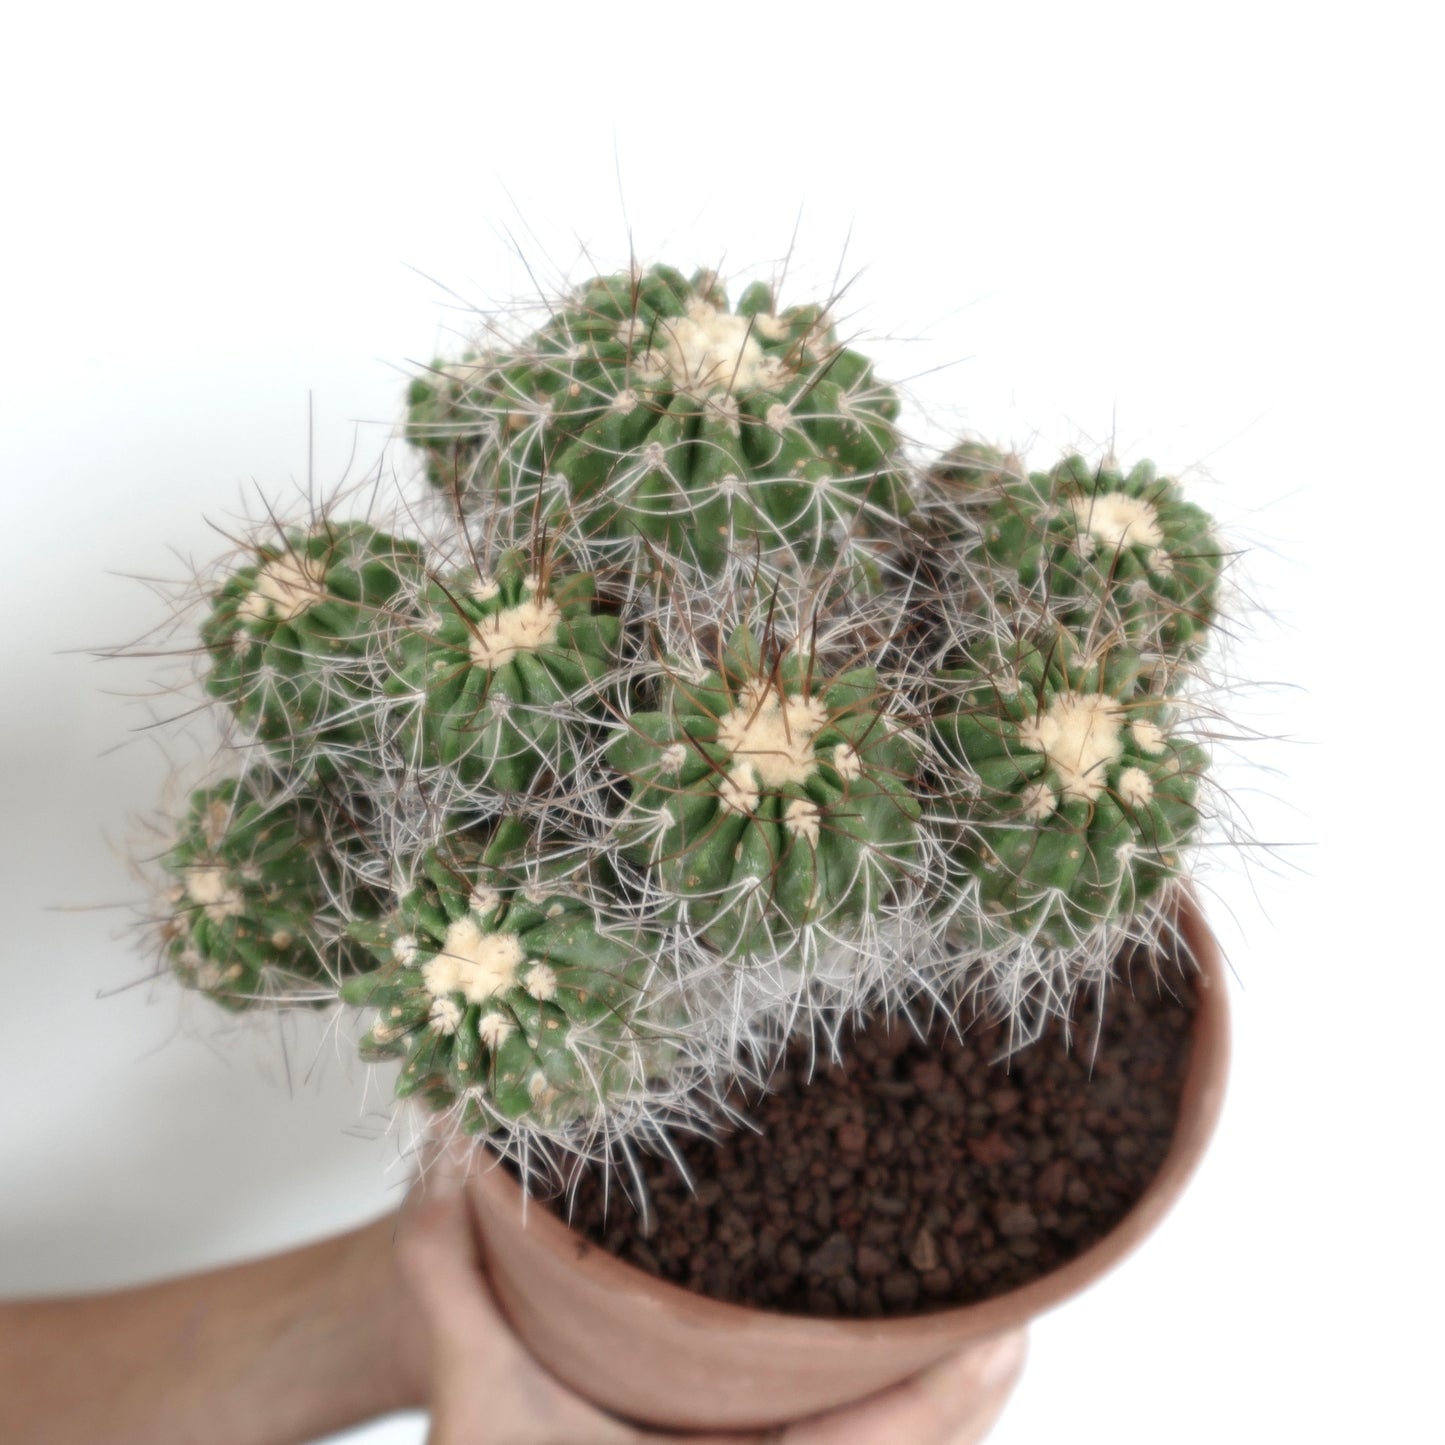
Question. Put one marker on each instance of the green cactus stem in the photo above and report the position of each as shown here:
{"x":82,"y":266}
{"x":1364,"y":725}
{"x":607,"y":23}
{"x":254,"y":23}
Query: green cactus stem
{"x":1118,"y":552}
{"x":295,"y":638}
{"x":973,"y":468}
{"x":254,"y":880}
{"x":646,"y":407}
{"x":1074,"y":797}
{"x":500,"y":986}
{"x":495,"y":673}
{"x":767,"y":798}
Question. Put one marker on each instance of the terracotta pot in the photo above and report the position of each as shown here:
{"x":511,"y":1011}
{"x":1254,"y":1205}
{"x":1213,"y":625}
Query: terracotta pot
{"x":661,"y":1355}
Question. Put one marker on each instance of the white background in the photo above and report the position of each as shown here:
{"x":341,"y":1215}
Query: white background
{"x":1206,"y":234}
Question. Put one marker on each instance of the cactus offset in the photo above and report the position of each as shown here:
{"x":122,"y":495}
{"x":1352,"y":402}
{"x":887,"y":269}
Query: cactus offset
{"x":769,"y":797}
{"x":502,"y":988}
{"x":1074,"y":795}
{"x":645,"y":408}
{"x":256,"y":888}
{"x":295,"y":640}
{"x":491,"y":678}
{"x":1120,"y":552}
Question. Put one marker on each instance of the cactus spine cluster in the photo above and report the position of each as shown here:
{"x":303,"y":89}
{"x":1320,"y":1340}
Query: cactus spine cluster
{"x":696,"y":709}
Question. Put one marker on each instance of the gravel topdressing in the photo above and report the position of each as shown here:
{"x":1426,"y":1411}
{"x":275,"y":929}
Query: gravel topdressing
{"x":920,"y":1174}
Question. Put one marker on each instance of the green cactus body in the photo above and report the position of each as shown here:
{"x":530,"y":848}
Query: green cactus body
{"x":447,"y":420}
{"x":646,"y":407}
{"x":767,"y":800}
{"x":494,"y":674}
{"x":1126,"y":551}
{"x":970,"y":469}
{"x":499,"y":985}
{"x":252,"y":878}
{"x":295,"y":638}
{"x":1074,"y":799}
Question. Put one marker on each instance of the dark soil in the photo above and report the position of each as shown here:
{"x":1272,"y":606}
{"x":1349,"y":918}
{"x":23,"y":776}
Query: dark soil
{"x":921,"y":1174}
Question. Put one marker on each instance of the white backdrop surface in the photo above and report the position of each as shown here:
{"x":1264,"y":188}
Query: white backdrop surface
{"x":1205,"y":235}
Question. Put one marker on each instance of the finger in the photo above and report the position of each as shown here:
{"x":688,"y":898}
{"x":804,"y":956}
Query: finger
{"x":435,"y":1236}
{"x":481,"y":1373}
{"x":950,"y":1403}
{"x":484,"y":1383}
{"x":969,"y":1390}
{"x":445,"y":1164}
{"x":640,"y":1435}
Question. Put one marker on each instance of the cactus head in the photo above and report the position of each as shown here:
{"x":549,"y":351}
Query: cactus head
{"x":295,"y":638}
{"x":1073,"y":792}
{"x":502,"y":664}
{"x":971,"y":469}
{"x":503,"y":990}
{"x":767,"y":796}
{"x":645,"y":409}
{"x":1092,"y":546}
{"x":254,"y":881}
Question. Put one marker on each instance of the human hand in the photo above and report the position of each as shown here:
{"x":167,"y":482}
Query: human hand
{"x":485,"y":1388}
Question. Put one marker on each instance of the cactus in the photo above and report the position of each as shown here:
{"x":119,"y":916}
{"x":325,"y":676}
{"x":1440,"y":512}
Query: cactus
{"x":715,"y":736}
{"x":500,"y":986}
{"x":769,"y":797}
{"x":253,"y":881}
{"x":1121,"y":552}
{"x":644,"y":407}
{"x":1076,"y":793}
{"x":971,"y":469}
{"x":494,"y":674}
{"x":293,"y":639}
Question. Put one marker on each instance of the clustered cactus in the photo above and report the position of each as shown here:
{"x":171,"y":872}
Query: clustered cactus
{"x":691,"y":710}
